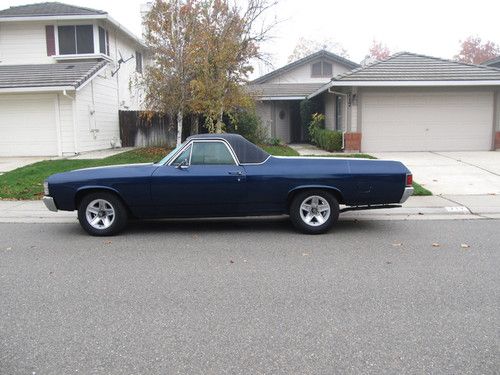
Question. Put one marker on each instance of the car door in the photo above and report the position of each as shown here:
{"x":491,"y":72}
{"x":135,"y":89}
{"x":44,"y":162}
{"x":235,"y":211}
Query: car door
{"x":203,"y":180}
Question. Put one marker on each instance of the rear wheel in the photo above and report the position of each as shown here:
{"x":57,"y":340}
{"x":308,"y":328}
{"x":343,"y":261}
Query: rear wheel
{"x":314,"y":211}
{"x":102,"y":214}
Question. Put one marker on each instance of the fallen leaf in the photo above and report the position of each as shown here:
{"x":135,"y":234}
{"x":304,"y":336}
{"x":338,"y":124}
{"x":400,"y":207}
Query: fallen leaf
{"x":231,"y":261}
{"x":435,"y":244}
{"x":108,"y":242}
{"x":464,"y":246}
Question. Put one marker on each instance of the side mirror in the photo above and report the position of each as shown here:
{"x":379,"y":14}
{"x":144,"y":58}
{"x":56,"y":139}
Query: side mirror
{"x":183,"y":164}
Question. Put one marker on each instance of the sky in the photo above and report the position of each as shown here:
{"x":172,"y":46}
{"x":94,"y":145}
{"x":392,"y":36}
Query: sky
{"x":430,"y":27}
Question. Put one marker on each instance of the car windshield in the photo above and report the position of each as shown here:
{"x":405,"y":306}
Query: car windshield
{"x":170,"y":154}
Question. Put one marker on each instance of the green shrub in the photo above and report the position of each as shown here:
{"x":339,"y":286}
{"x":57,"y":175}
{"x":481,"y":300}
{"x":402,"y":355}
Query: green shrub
{"x":247,"y":124}
{"x":328,"y":140}
{"x":275,"y":142}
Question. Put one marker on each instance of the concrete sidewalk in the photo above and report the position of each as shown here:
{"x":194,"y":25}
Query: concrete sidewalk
{"x":454,"y":207}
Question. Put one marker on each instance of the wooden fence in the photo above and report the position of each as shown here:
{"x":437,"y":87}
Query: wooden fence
{"x":140,"y":130}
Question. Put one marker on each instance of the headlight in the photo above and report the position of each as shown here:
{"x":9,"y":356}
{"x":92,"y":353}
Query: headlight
{"x":46,"y":188}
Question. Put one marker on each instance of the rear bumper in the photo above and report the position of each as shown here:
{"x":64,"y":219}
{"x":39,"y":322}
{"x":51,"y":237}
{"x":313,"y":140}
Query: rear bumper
{"x":406,"y":194}
{"x":49,"y":203}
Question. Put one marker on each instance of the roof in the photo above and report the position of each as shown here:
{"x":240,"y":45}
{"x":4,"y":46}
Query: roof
{"x":48,"y":9}
{"x":317,"y":55}
{"x":493,"y":61}
{"x":246,"y":151}
{"x":282,"y":90}
{"x":72,"y":74}
{"x":55,"y":11}
{"x":410,"y":69}
{"x":406,"y":66}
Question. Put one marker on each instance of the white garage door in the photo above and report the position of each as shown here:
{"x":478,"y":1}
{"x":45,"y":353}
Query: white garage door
{"x":27,"y":125}
{"x":426,"y":121}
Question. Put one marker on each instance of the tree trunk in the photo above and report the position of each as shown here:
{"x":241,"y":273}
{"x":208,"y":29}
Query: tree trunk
{"x":179,"y":128}
{"x":220,"y":123}
{"x":195,"y":125}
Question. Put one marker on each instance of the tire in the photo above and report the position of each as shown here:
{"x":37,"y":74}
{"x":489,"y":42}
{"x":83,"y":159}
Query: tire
{"x":306,"y":211}
{"x":102,"y":214}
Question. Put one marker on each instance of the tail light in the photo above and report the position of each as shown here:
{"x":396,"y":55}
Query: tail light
{"x":409,"y":179}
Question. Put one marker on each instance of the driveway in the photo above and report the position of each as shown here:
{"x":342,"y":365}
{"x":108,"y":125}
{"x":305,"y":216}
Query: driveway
{"x":452,"y":173}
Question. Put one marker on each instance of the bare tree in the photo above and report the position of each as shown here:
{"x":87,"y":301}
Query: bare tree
{"x":306,"y":47}
{"x":474,"y":51}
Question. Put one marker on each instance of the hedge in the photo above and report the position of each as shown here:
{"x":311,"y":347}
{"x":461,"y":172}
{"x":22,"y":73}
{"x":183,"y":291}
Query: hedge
{"x":328,"y":140}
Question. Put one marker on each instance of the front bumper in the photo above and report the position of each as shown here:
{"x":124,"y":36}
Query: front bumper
{"x":49,"y":203}
{"x":406,"y":194}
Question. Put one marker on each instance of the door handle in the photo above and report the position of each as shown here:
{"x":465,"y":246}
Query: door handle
{"x":237,"y":173}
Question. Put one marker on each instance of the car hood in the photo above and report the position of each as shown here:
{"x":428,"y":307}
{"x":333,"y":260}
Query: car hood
{"x":107,"y":172}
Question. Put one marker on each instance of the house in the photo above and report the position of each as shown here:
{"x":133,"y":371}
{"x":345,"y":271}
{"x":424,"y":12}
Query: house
{"x":65,"y":72}
{"x":280,"y":92}
{"x":408,"y":102}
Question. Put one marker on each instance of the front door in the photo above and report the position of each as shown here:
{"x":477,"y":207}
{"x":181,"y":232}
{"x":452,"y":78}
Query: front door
{"x":204,"y":180}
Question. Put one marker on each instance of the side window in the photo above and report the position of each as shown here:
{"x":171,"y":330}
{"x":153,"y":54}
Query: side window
{"x":211,"y":153}
{"x":183,"y":156}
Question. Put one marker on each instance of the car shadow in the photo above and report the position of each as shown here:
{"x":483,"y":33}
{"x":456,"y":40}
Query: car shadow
{"x":274,"y":224}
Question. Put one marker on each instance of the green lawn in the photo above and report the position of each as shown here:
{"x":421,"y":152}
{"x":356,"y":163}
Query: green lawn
{"x":27,"y":182}
{"x":280,"y":150}
{"x":420,"y":190}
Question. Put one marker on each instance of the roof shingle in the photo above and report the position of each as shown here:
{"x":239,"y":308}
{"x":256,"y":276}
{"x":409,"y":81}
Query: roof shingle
{"x":283,"y":90}
{"x":48,"y":75}
{"x":48,"y":9}
{"x":405,"y":66}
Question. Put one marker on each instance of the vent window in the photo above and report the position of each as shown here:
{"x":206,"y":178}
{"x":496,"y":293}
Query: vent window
{"x":321,"y":69}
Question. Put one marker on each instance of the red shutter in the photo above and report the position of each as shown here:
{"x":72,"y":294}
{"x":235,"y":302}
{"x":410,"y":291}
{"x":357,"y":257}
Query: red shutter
{"x":50,"y":40}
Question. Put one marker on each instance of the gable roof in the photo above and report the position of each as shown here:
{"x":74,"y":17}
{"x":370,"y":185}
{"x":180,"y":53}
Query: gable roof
{"x":61,"y":75}
{"x":280,"y":91}
{"x":410,"y":69}
{"x":48,"y":9}
{"x":317,"y":55}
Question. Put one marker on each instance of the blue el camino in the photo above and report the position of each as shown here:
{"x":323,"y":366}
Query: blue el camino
{"x":225,"y":175}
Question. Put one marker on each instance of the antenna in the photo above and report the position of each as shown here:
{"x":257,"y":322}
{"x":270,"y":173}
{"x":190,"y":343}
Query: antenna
{"x":120,"y":62}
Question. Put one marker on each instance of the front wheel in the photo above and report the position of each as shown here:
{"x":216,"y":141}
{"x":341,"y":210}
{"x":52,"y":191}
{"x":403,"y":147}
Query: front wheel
{"x":102,"y":214}
{"x":314,"y":211}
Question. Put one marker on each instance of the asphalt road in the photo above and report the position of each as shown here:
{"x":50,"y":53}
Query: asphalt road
{"x":251,"y":297}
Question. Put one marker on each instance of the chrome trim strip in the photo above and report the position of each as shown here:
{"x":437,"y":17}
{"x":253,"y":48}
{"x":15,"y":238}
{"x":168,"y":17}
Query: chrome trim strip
{"x":220,"y":140}
{"x":257,"y":163}
{"x":406,"y":194}
{"x":49,"y":203}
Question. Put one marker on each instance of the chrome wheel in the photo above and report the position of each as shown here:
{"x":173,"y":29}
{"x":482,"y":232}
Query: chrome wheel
{"x":314,"y":210}
{"x":100,"y":214}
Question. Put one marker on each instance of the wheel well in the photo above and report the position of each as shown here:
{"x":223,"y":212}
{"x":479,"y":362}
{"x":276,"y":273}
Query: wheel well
{"x":332,"y":191}
{"x":82,"y":193}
